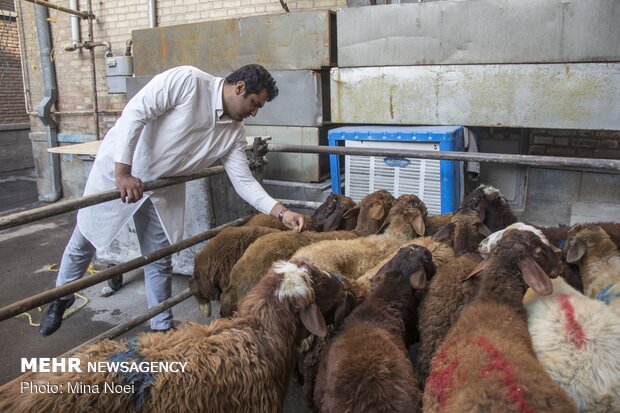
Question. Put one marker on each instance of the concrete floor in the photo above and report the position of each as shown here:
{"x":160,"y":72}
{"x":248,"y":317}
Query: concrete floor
{"x":26,"y":254}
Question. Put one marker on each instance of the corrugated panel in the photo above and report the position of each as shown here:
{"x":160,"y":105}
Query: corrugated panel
{"x":563,"y":96}
{"x":298,"y":40}
{"x":479,"y":31}
{"x":366,"y":174}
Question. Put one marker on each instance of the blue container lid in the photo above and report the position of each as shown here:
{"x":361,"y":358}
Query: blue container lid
{"x":395,"y":133}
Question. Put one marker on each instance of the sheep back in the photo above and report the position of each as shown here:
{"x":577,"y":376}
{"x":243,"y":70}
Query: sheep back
{"x":576,"y":339}
{"x":213,"y":263}
{"x":259,"y":256}
{"x":441,"y":306}
{"x":479,"y":368}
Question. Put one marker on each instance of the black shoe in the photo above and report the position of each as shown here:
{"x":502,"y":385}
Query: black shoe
{"x":52,"y":317}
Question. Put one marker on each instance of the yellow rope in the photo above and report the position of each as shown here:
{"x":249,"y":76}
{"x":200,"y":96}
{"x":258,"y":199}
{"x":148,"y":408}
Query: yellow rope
{"x":54,"y":268}
{"x":64,"y":317}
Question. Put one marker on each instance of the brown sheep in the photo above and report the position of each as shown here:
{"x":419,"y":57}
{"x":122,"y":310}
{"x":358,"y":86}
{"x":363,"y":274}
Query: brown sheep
{"x":487,"y":362}
{"x":371,"y":212}
{"x":213,"y":263}
{"x":366,"y":368}
{"x":446,"y":296}
{"x":233,"y":365}
{"x":590,"y":247}
{"x":352,"y":258}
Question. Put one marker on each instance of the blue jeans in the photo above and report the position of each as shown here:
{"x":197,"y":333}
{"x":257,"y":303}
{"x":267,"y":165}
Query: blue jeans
{"x":157,"y":275}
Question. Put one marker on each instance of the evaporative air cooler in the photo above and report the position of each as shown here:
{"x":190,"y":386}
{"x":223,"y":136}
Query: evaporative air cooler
{"x":439,"y":183}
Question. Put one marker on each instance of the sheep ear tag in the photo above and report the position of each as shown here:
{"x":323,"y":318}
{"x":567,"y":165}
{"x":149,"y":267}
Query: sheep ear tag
{"x":313,"y":320}
{"x":535,"y":277}
{"x":418,"y":279}
{"x":576,"y":250}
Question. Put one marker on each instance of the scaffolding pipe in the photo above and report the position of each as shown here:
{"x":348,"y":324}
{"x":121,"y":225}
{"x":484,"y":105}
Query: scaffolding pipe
{"x":600,"y":165}
{"x":82,"y":14}
{"x":58,"y":208}
{"x":44,"y":297}
{"x":134,"y":322}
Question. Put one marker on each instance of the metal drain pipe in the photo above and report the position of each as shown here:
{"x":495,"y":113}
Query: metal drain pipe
{"x":49,"y":99}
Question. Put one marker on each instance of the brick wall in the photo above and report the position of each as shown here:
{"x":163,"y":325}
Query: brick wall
{"x":115,"y":21}
{"x":572,"y":143}
{"x":12,"y":107}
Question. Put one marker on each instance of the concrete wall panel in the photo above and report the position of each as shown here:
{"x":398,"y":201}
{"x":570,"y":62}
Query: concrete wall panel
{"x":479,"y":31}
{"x":563,"y":96}
{"x":299,"y":40}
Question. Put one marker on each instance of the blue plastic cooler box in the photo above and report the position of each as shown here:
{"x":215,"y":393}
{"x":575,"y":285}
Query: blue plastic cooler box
{"x":439,"y":183}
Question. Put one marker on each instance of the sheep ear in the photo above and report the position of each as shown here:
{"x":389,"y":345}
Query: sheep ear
{"x":353,"y":212}
{"x":376,"y":212}
{"x":443,"y":233}
{"x":483,"y":230}
{"x":576,"y":250}
{"x":344,"y":308}
{"x":481,"y":266}
{"x":333,"y":221}
{"x":418,"y":225}
{"x":313,"y":320}
{"x":418,"y":279}
{"x":535,"y":277}
{"x":384,"y":225}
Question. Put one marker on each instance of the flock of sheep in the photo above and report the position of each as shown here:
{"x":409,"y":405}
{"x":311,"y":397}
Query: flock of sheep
{"x":380,"y":307}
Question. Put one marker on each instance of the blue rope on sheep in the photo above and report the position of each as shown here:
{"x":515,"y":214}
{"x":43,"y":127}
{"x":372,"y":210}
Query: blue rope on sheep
{"x":142,"y":381}
{"x":606,"y":296}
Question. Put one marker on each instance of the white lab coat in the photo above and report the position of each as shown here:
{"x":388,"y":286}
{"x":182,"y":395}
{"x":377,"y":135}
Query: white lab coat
{"x":171,"y":127}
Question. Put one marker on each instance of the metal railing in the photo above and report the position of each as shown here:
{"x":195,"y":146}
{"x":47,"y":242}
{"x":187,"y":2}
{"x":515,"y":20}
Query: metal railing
{"x":604,"y":165}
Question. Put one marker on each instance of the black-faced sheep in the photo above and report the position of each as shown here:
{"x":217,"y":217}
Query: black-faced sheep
{"x":492,"y":207}
{"x":486,"y":362}
{"x":577,"y":339}
{"x":233,"y":365}
{"x":352,"y":258}
{"x":371,"y":212}
{"x":214,"y":262}
{"x":366,"y":368}
{"x":591,"y":248}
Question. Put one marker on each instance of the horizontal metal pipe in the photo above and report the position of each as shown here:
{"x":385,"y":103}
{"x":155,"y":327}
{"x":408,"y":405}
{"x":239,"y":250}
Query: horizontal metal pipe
{"x":601,"y":165}
{"x":299,"y":204}
{"x":58,"y":208}
{"x":123,"y":328}
{"x":82,"y":14}
{"x":44,"y":297}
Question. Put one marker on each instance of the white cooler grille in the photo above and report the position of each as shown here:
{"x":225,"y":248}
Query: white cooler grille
{"x":366,"y":174}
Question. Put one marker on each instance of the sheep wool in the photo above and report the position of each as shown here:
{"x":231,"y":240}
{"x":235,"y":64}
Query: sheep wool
{"x":577,"y":340}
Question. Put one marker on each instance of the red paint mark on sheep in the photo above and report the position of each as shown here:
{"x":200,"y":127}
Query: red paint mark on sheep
{"x":440,"y":379}
{"x":571,"y":325}
{"x":501,"y":364}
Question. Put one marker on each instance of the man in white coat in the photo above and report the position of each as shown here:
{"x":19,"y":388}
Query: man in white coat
{"x":178,"y":124}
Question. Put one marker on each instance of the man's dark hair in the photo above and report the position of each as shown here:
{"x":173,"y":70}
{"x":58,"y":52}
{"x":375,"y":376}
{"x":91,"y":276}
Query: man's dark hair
{"x":256,"y":78}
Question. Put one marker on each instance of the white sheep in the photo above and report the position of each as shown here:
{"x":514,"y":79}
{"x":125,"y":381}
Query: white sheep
{"x":577,"y":340}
